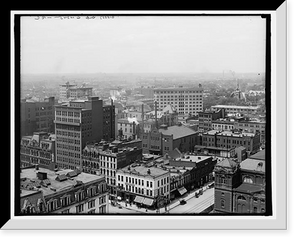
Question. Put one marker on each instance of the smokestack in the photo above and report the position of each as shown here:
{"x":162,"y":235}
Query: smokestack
{"x":155,"y":107}
{"x":142,"y":118}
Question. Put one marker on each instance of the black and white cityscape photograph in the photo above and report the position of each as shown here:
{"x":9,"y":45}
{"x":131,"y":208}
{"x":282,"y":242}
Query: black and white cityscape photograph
{"x":148,"y":114}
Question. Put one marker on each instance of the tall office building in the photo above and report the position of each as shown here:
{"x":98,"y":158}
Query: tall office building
{"x":109,"y":122}
{"x":187,"y":101}
{"x":76,"y":124}
{"x":37,"y":116}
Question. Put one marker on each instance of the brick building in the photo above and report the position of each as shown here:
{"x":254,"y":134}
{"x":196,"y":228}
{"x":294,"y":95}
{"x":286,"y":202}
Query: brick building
{"x":109,"y":122}
{"x":240,"y":187}
{"x":206,"y":117}
{"x":166,"y":139}
{"x":188,"y":172}
{"x":37,"y":116}
{"x":213,"y":142}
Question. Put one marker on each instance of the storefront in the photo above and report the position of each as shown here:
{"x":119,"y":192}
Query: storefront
{"x":143,"y":201}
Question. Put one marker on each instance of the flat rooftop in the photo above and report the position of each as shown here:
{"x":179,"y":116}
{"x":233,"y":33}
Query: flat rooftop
{"x":230,"y":133}
{"x":192,"y":158}
{"x":143,"y":170}
{"x":29,"y":178}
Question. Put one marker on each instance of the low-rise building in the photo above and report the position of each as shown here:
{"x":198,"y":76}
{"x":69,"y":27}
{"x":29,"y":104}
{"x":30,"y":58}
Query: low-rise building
{"x":252,"y":126}
{"x":62,"y":192}
{"x":166,"y":139}
{"x":143,"y":185}
{"x":38,"y":149}
{"x":187,"y":171}
{"x":215,"y":141}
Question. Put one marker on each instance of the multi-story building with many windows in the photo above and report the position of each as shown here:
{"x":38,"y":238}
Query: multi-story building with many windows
{"x":103,"y":159}
{"x":77,"y":123}
{"x":215,"y":142}
{"x":38,"y":149}
{"x":37,"y":116}
{"x":46,"y":191}
{"x":72,"y":91}
{"x":187,"y":101}
{"x":207,"y":117}
{"x":145,"y":186}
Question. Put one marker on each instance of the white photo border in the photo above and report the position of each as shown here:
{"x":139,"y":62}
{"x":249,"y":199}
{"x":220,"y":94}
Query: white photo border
{"x":278,"y":221}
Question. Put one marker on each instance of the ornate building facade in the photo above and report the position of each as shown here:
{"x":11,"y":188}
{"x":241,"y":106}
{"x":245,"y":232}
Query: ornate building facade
{"x":240,"y":187}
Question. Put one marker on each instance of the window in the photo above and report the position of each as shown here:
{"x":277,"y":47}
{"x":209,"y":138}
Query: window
{"x":222,"y":203}
{"x":65,"y":200}
{"x":101,"y":200}
{"x":247,"y":179}
{"x":79,"y":208}
{"x":91,"y":204}
{"x":222,"y":180}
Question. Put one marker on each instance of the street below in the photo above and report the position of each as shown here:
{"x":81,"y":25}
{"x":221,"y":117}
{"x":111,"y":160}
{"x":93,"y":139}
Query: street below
{"x":195,"y":205}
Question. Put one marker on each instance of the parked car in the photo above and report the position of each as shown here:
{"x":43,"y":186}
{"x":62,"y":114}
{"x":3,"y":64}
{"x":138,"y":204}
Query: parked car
{"x":182,"y":202}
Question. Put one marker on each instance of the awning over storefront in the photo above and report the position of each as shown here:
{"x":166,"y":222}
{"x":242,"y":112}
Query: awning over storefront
{"x":148,"y":201}
{"x":139,"y":199}
{"x":182,"y":190}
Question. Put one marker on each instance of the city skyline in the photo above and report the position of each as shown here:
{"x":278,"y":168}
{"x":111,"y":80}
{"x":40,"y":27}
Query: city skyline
{"x":143,"y":44}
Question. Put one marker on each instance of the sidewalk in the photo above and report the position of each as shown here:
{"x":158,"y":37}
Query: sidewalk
{"x":162,"y":210}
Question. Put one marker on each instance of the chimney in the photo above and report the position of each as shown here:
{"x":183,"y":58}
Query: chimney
{"x":155,"y":107}
{"x":148,"y":172}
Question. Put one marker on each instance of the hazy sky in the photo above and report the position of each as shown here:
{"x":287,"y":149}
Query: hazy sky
{"x":134,"y":44}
